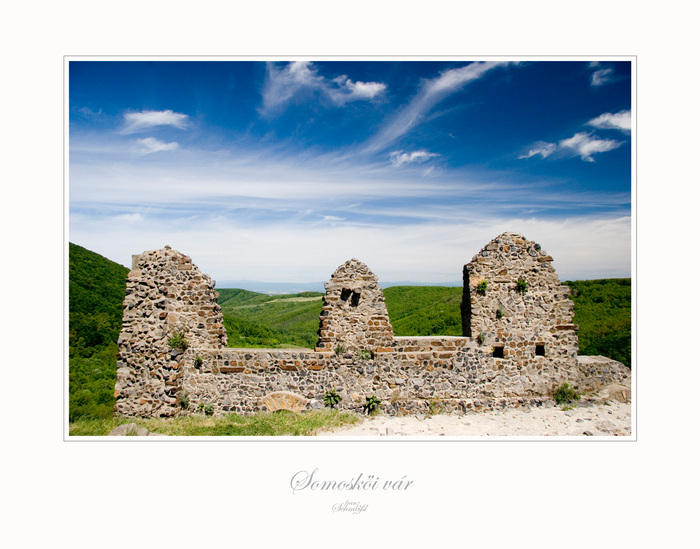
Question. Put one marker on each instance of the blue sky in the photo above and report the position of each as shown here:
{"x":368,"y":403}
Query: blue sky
{"x":281,"y":171}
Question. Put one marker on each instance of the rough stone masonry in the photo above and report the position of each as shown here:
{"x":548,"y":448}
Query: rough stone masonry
{"x":519,"y":343}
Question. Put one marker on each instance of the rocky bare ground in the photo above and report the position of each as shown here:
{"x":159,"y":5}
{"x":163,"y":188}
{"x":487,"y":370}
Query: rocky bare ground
{"x":587,"y":418}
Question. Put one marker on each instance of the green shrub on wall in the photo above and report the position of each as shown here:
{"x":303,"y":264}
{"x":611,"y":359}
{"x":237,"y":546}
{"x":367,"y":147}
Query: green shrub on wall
{"x":364,"y":354}
{"x":184,"y":400}
{"x":178,"y":341}
{"x":331,"y":398}
{"x":371,"y":404}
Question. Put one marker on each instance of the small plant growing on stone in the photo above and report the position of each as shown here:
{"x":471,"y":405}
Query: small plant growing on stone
{"x":208,"y":410}
{"x":371,"y":404}
{"x":178,"y":341}
{"x":198,"y":362}
{"x":521,"y":286}
{"x":434,"y":407}
{"x":364,"y":354}
{"x":184,"y":400}
{"x":499,"y":313}
{"x":481,"y":287}
{"x":566,"y":394}
{"x":331,"y":398}
{"x":480,"y":339}
{"x":339,"y":349}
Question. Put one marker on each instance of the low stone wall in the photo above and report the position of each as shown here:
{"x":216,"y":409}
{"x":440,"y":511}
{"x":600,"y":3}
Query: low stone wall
{"x":419,"y":375}
{"x":596,"y":371}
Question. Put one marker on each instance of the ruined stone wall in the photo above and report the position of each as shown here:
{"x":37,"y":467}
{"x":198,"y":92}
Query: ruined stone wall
{"x":513,"y":301}
{"x":417,"y":375}
{"x":596,"y":371}
{"x":166,"y":294}
{"x":357,"y":354}
{"x":406,"y":381}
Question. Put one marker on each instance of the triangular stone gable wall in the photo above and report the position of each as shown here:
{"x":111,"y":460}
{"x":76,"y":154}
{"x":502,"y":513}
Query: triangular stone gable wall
{"x":354,"y":315}
{"x":513,"y":300}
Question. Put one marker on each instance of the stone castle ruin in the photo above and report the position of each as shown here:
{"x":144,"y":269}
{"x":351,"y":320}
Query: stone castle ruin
{"x":519,"y":343}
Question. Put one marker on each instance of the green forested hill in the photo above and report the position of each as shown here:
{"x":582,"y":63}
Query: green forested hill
{"x":96,"y":292}
{"x":280,"y":321}
{"x":259,"y":320}
{"x":603,"y":311}
{"x":424,"y":310}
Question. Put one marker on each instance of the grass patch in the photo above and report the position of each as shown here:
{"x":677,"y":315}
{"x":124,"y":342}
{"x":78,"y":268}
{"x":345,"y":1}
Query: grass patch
{"x":566,"y":395}
{"x":280,"y":423}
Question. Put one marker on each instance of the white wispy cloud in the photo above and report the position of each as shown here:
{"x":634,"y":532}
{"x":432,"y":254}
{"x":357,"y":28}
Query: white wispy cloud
{"x":150,"y":145}
{"x":601,"y":75}
{"x":128,"y":218}
{"x":278,"y":184}
{"x":265,"y":182}
{"x":542,"y":148}
{"x":586,"y":145}
{"x":430,"y":94}
{"x":400,"y":158}
{"x":271,"y":213}
{"x":135,"y":122}
{"x":582,"y":247}
{"x":87,"y":112}
{"x":608,"y":121}
{"x":581,"y":144}
{"x":300,"y":80}
{"x":348,"y":90}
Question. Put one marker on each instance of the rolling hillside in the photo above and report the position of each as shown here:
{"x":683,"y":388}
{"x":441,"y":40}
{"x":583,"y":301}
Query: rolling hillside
{"x":95,"y":294}
{"x":424,"y":310}
{"x":603,"y":311}
{"x":96,"y":291}
{"x":260,"y":320}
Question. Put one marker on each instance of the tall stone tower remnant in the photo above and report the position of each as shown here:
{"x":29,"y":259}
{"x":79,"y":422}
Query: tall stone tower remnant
{"x":167,"y":296}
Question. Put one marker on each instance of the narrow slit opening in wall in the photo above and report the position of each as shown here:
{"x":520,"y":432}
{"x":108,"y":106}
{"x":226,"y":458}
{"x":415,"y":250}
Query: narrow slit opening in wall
{"x":345,"y":294}
{"x":498,"y":352}
{"x":355,"y":301}
{"x":539,"y":349}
